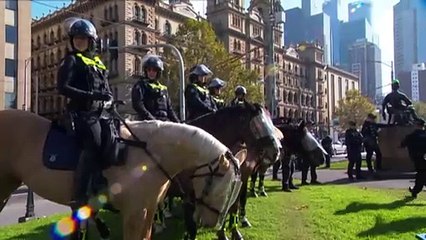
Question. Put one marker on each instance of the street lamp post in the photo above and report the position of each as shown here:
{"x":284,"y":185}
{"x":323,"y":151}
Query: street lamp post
{"x":26,"y":63}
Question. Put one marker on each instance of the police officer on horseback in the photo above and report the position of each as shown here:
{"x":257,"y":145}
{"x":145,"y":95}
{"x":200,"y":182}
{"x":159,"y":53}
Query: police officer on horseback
{"x":215,"y":86}
{"x":197,"y":96}
{"x":401,"y":106}
{"x":150,"y":98}
{"x":240,"y":96}
{"x":83,"y":80}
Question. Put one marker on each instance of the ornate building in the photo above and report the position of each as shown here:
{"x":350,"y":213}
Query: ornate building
{"x":15,"y":32}
{"x":121,"y":23}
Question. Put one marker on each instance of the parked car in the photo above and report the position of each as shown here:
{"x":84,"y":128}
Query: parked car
{"x":339,"y":148}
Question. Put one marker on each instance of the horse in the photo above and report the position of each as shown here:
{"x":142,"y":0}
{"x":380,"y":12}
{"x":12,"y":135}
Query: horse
{"x":309,"y":148}
{"x":156,"y":152}
{"x":250,"y":121}
{"x":232,"y":125}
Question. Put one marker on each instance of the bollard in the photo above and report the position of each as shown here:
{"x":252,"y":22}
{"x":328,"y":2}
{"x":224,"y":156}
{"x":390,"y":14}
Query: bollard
{"x":29,"y":211}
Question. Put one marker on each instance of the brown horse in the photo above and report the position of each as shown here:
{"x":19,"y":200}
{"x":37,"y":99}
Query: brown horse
{"x":136,"y":187}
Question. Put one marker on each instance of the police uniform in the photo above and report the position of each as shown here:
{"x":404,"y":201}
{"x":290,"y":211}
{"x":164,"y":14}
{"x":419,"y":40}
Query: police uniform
{"x":83,"y":80}
{"x":217,"y":83}
{"x":416,"y":145}
{"x":370,"y":132}
{"x":150,"y":98}
{"x":198,"y":98}
{"x":353,"y":140}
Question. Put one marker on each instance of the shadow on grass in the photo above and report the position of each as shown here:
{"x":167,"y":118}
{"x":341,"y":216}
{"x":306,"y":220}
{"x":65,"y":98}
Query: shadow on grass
{"x":358,"y":207}
{"x":175,"y":230}
{"x":400,"y":226}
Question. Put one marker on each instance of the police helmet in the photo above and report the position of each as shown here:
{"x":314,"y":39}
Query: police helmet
{"x":153,"y":61}
{"x":240,"y":90}
{"x":216,"y":83}
{"x":200,"y":70}
{"x":395,"y":82}
{"x":82,"y":27}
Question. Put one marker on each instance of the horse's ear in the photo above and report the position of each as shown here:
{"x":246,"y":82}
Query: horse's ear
{"x":223,"y":163}
{"x":301,"y":125}
{"x":241,"y":156}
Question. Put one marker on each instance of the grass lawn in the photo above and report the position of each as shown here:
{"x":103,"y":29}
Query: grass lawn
{"x":313,"y":212}
{"x":343,"y":165}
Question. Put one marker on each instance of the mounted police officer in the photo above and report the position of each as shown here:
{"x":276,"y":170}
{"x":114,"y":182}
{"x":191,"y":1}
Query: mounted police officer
{"x":416,"y":145}
{"x":353,"y":140}
{"x":215,"y":86}
{"x":150,"y":98}
{"x":197,"y":96}
{"x":400,"y":105}
{"x":83,"y":80}
{"x":240,"y":95}
{"x":370,"y":132}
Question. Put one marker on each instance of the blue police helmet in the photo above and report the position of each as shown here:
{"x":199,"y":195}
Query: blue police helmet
{"x":82,"y":27}
{"x":216,"y":83}
{"x":200,"y":70}
{"x":153,"y":61}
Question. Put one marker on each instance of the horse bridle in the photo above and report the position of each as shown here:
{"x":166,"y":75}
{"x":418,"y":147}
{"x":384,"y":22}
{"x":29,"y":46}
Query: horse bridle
{"x":214,"y":172}
{"x":137,"y":142}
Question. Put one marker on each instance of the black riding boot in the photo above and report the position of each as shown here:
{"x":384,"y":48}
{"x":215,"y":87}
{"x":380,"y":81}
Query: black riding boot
{"x":82,"y":176}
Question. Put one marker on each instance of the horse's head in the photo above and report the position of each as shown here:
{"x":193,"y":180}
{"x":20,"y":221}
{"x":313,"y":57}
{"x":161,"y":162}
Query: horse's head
{"x":178,"y":147}
{"x":216,"y":187}
{"x":258,"y":131}
{"x":298,"y":140}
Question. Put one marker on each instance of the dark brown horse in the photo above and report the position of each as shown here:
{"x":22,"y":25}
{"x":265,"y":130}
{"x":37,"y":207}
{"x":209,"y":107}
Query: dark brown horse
{"x":249,"y":124}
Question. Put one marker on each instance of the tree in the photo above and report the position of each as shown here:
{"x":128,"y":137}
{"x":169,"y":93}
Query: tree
{"x":420,"y":108}
{"x":354,"y":107}
{"x":198,"y":44}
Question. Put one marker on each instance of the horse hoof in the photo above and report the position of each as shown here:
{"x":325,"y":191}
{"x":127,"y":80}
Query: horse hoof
{"x":236,"y":235}
{"x":253,"y":193}
{"x":221,"y":235}
{"x":263,"y":194}
{"x":245,"y":223}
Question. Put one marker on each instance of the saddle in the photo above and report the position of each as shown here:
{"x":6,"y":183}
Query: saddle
{"x":62,"y":152}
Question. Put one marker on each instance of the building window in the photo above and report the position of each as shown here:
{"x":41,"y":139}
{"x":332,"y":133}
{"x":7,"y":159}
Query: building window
{"x":111,"y":13}
{"x":144,"y":38}
{"x":59,"y":56}
{"x":168,"y":28}
{"x":156,"y":24}
{"x":10,"y":100}
{"x":137,"y":37}
{"x":12,"y":4}
{"x":10,"y":68}
{"x":137,"y":66}
{"x":106,"y":13}
{"x":52,"y":36}
{"x":115,"y":12}
{"x":11,"y":34}
{"x":59,"y":33}
{"x":137,"y":12}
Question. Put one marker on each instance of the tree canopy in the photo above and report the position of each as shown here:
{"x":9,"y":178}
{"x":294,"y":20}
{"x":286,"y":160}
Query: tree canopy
{"x":354,"y":107}
{"x":198,"y":44}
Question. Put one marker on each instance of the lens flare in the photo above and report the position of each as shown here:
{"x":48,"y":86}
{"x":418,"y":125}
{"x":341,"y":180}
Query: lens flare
{"x":84,"y":213}
{"x":64,"y":227}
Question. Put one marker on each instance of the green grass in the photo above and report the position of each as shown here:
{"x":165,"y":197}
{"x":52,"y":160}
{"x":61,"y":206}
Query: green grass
{"x":343,"y":165}
{"x":313,"y":212}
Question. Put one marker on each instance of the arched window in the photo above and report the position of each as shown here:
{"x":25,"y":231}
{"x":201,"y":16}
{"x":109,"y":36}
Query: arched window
{"x":137,"y":66}
{"x":144,"y":38}
{"x":52,"y":36}
{"x":168,"y":28}
{"x":38,"y":41}
{"x":111,"y":13}
{"x":115,"y":12}
{"x":45,"y":38}
{"x":137,"y":11}
{"x":137,"y":37}
{"x":52,"y":58}
{"x":106,"y":13}
{"x":143,"y":15}
{"x":59,"y":33}
{"x":59,"y":56}
{"x":235,"y":44}
{"x":156,"y":24}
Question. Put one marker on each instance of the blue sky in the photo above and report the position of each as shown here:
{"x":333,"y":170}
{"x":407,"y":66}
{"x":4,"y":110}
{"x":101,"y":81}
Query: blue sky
{"x":382,"y":21}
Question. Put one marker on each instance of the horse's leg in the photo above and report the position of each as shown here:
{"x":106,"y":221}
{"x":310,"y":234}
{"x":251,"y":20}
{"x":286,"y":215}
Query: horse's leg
{"x":221,"y":234}
{"x":261,"y":189}
{"x":7,"y":186}
{"x":243,"y":201}
{"x":134,"y":224}
{"x":253,"y":184}
{"x":233,"y":217}
{"x":190,"y":224}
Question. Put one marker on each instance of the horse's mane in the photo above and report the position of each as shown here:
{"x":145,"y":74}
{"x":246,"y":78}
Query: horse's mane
{"x":173,"y":133}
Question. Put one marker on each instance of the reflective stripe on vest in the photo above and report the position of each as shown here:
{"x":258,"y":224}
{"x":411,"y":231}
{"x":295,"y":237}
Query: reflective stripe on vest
{"x":92,"y":62}
{"x":218,"y":100}
{"x":201,"y":89}
{"x":157,"y":85}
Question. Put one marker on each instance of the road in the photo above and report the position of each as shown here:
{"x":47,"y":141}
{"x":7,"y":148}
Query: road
{"x":15,"y":208}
